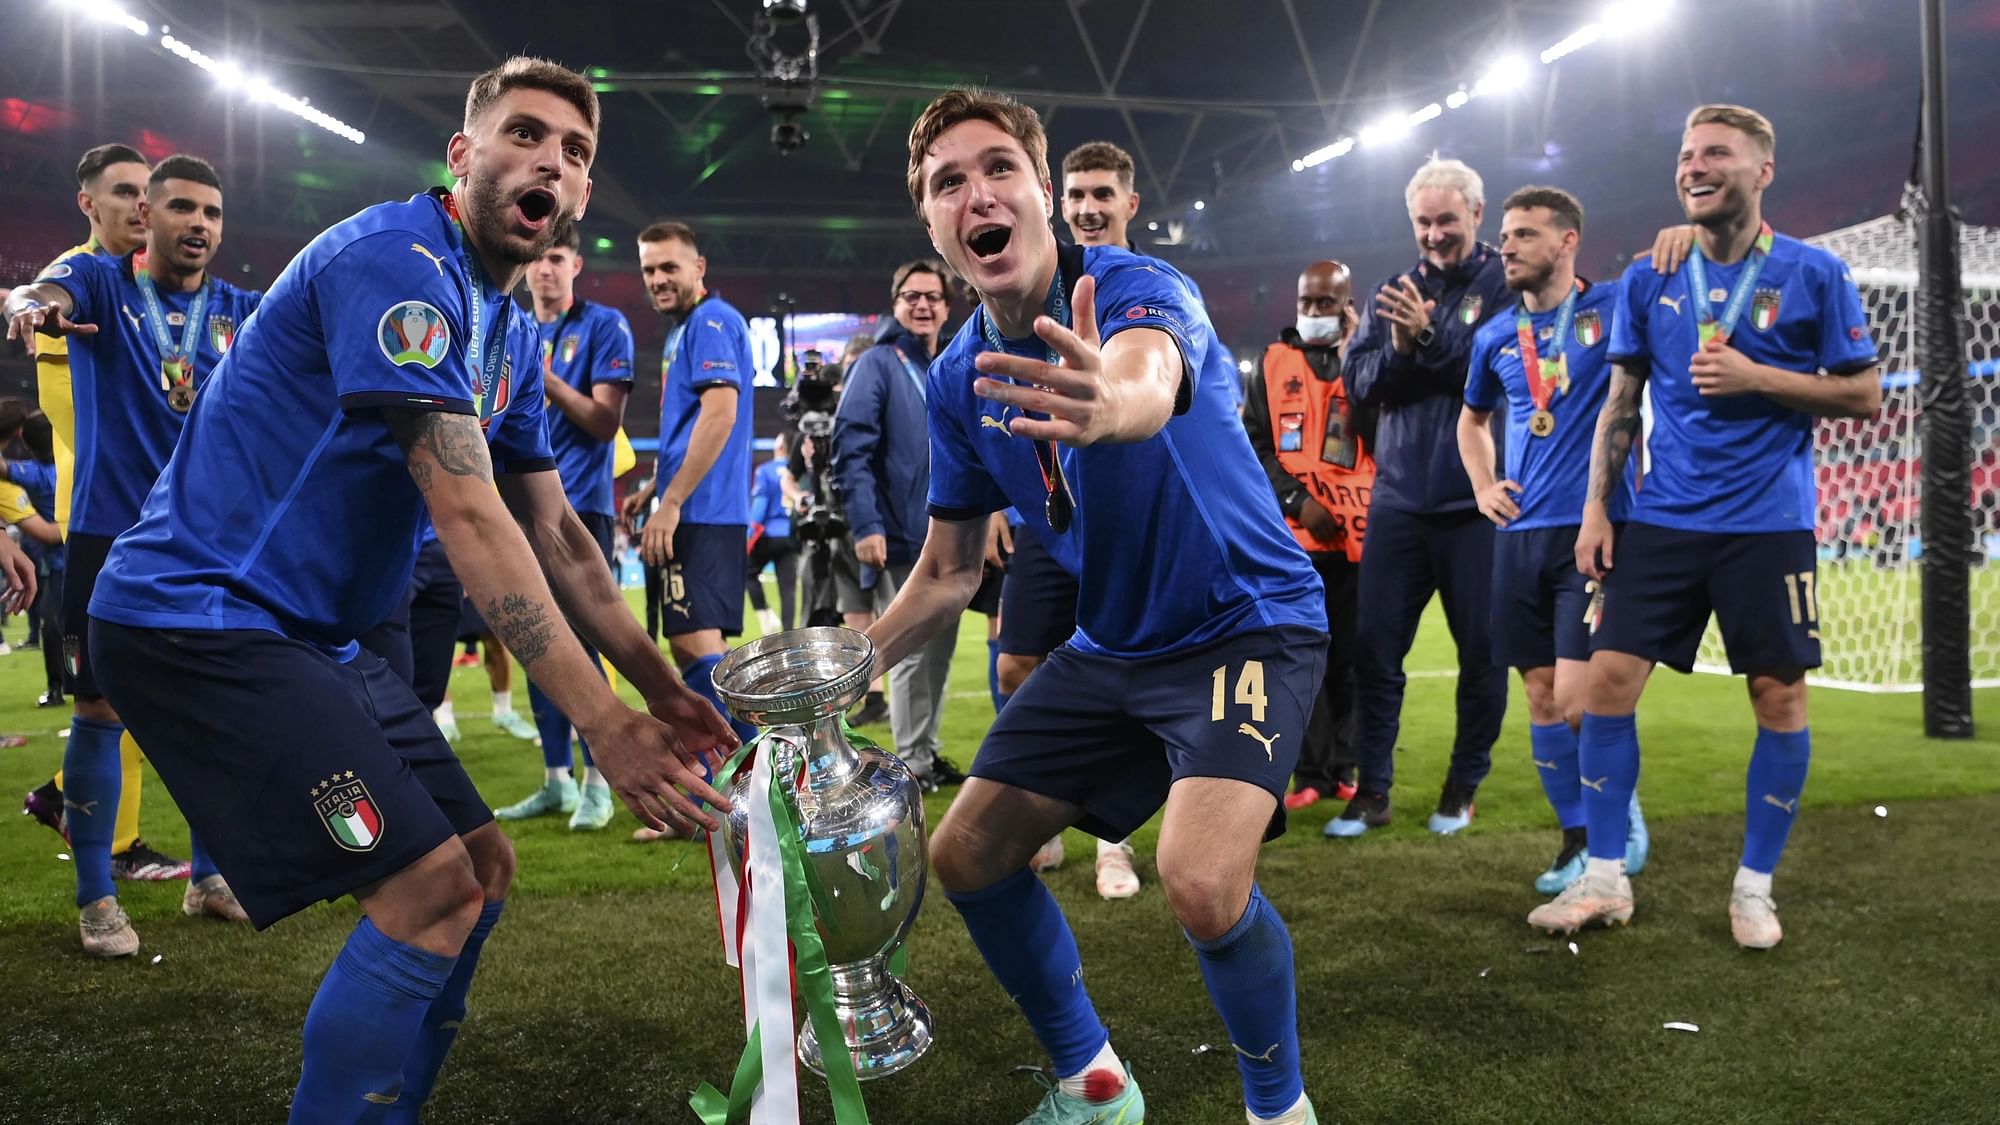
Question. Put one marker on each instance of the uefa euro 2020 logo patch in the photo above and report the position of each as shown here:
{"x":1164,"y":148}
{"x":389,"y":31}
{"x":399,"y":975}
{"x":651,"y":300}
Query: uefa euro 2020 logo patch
{"x":349,"y":813}
{"x":413,"y":332}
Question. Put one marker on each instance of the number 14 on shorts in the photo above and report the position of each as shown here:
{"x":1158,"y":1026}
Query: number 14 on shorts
{"x":1249,"y":694}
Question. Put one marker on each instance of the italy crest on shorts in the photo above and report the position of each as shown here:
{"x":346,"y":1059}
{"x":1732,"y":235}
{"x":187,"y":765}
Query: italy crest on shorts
{"x":1468,"y":309}
{"x":349,"y":813}
{"x":221,"y":332}
{"x":1764,"y":309}
{"x":1589,"y":328}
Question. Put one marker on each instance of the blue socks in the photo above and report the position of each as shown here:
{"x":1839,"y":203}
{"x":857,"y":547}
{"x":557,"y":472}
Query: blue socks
{"x":1608,"y":771}
{"x":200,"y":866}
{"x":364,"y":1019}
{"x":993,"y":674}
{"x":1249,"y":975}
{"x":440,"y":1025}
{"x":92,"y":779}
{"x":1777,"y":777}
{"x":1554,"y":750}
{"x":1021,"y":933}
{"x":700,"y":676}
{"x":554,"y":727}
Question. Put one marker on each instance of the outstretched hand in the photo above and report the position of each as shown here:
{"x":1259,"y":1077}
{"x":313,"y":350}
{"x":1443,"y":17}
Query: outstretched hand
{"x":1073,"y":393}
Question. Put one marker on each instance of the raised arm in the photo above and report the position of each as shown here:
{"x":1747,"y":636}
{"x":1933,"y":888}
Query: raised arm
{"x":44,"y":308}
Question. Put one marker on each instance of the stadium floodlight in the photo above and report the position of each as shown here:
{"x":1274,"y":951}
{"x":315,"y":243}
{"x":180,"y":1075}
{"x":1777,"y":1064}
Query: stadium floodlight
{"x":105,"y":12}
{"x":232,"y":76}
{"x":1576,"y":41}
{"x":1200,"y":205}
{"x":1503,"y":77}
{"x":1430,"y":112}
{"x":1623,"y":17}
{"x":1321,"y":155}
{"x":1394,"y":127}
{"x":1457,"y":99}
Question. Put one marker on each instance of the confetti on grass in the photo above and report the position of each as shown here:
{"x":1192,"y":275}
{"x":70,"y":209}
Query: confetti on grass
{"x":157,"y":957}
{"x":1679,"y":1026}
{"x":64,"y":856}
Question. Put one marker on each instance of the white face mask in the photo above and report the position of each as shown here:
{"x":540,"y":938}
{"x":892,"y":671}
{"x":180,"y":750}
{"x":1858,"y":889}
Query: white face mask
{"x":1320,"y":329}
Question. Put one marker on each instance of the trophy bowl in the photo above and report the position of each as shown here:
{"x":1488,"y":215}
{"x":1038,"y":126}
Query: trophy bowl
{"x":861,"y":820}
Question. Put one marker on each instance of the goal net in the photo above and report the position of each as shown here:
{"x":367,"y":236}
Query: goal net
{"x":1870,"y":479}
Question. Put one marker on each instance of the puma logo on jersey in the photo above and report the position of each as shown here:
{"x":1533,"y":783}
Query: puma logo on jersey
{"x":425,"y":251}
{"x":1265,"y":1057}
{"x":1595,"y":786}
{"x":127,"y":310}
{"x":87,"y":808}
{"x":1672,"y":303}
{"x":1246,"y":728}
{"x":987,"y":421}
{"x":1790,"y":806}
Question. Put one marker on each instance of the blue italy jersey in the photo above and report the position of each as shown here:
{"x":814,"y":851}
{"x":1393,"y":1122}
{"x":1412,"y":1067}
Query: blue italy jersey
{"x":38,"y":480}
{"x":125,"y":425}
{"x":1553,"y":471}
{"x":711,"y":348}
{"x":1741,"y":463}
{"x":767,"y":500}
{"x":587,"y":345}
{"x":1176,"y":540}
{"x":287,"y":505}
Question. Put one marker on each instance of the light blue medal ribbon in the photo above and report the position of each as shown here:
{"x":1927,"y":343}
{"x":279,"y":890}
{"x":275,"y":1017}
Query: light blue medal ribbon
{"x":481,"y":353}
{"x":909,"y":366}
{"x":1060,"y":506}
{"x":1739,"y":297}
{"x":176,"y":366}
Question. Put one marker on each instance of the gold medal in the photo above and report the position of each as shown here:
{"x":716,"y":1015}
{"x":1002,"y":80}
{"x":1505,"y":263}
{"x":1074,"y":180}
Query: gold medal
{"x":1541,"y":423}
{"x":180,"y":396}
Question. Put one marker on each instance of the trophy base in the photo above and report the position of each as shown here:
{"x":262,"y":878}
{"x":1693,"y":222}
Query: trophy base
{"x":890,"y":1030}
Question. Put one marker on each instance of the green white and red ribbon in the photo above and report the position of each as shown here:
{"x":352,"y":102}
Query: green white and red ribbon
{"x":765,"y":916}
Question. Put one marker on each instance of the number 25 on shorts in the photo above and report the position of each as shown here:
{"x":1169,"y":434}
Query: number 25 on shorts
{"x":1249,"y":691}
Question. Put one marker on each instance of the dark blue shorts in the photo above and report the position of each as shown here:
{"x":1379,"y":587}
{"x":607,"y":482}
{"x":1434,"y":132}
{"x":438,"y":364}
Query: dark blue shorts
{"x":308,"y":779}
{"x":1037,"y":601}
{"x":704,"y":581}
{"x":86,"y":558}
{"x":1113,"y":734}
{"x":603,"y":528}
{"x":1761,"y":587}
{"x":1541,"y":604}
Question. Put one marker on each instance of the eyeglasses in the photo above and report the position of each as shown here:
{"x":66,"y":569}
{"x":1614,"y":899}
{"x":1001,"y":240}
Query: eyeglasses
{"x":914,"y":296}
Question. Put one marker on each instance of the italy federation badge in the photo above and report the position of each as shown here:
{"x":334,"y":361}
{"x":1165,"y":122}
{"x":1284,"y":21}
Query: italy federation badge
{"x":1764,"y":309}
{"x":349,"y":812}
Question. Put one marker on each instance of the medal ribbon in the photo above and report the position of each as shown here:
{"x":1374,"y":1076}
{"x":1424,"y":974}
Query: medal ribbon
{"x":1061,"y":505}
{"x":481,"y":353}
{"x":1543,"y":375}
{"x":910,"y":366}
{"x":1739,"y":297}
{"x":176,"y":367}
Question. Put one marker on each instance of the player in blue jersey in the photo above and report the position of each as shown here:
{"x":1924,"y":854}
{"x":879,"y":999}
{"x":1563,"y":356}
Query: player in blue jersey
{"x":771,"y":537}
{"x":1750,"y":341}
{"x":702,"y":482}
{"x":147,"y":329}
{"x":584,"y":351}
{"x":1189,"y":677}
{"x":42,"y":540}
{"x":1544,"y":360}
{"x":366,"y":390}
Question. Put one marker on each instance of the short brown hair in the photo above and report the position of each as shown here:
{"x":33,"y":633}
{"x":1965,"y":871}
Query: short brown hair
{"x":525,"y":73}
{"x":1749,"y":122}
{"x":1563,"y":207}
{"x":921,"y":265}
{"x":966,"y":103}
{"x":98,"y":159}
{"x":666,"y":230}
{"x":1100,"y":156}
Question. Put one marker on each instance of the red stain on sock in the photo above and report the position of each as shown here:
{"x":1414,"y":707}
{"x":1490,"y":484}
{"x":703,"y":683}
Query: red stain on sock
{"x":1102,"y":1085}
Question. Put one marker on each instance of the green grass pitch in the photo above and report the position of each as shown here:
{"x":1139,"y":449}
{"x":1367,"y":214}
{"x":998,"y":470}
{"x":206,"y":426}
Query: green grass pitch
{"x":1423,"y":997}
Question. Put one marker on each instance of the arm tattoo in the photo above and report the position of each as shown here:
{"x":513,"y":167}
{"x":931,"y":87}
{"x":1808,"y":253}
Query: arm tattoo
{"x":453,"y":442}
{"x":522,"y":625}
{"x":1617,"y":429}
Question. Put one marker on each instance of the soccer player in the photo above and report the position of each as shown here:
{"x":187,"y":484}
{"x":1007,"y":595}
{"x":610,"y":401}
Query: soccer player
{"x":1754,"y":337}
{"x":1038,"y":600}
{"x":701,"y":520}
{"x":1313,"y":440}
{"x":585,"y":357}
{"x":43,"y":544}
{"x":1425,"y":534}
{"x":771,"y":538}
{"x":149,"y":328}
{"x":367,"y":389}
{"x":1544,"y":359}
{"x":111,"y":183}
{"x":1191,"y":670}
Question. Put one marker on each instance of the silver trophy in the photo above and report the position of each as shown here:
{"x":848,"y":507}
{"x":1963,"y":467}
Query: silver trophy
{"x":861,"y":818}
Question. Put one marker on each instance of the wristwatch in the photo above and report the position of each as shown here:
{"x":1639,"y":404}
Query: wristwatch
{"x":1425,"y":337}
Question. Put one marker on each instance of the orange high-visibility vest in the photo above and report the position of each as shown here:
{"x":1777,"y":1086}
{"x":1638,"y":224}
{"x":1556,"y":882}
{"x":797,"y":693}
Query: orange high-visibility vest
{"x":1313,"y":432}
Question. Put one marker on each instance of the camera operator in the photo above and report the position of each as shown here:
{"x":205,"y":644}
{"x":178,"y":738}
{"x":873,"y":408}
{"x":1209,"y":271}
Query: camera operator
{"x":881,"y":459}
